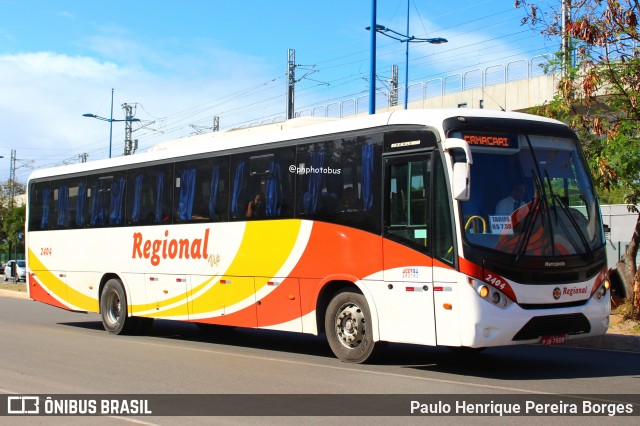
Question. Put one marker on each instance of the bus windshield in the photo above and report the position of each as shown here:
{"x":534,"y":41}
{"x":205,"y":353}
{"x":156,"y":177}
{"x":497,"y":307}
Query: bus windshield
{"x":531,"y":196}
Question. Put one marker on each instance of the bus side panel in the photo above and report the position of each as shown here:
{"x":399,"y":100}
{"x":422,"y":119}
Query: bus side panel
{"x":447,"y":304}
{"x":38,"y":293}
{"x":335,"y":253}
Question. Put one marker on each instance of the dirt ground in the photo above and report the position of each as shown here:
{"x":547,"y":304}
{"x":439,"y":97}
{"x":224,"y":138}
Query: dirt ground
{"x":618,"y":324}
{"x":10,"y":285}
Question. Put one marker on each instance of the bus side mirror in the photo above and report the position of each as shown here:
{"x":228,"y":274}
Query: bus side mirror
{"x":461,"y":179}
{"x":461,"y":187}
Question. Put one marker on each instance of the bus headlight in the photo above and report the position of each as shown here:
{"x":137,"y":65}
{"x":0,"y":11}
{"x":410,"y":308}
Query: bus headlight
{"x":483,"y":291}
{"x":602,"y":290}
{"x":489,"y":293}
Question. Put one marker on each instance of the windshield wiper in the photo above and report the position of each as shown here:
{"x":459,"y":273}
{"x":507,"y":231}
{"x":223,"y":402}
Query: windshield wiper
{"x":530,"y":220}
{"x":557,"y":200}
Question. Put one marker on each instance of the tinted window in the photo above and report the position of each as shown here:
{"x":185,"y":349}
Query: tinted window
{"x":262,"y":185}
{"x":39,"y":206}
{"x":201,"y":190}
{"x":68,"y":203}
{"x":105,"y":199}
{"x":337,"y":181}
{"x":149,"y":195}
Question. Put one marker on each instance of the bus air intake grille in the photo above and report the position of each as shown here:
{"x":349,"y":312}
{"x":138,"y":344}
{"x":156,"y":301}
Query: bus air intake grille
{"x":553,"y":305}
{"x":553,"y":324}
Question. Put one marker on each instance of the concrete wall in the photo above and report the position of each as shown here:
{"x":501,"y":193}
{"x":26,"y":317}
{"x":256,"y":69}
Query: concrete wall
{"x":511,"y":96}
{"x":622,"y":223}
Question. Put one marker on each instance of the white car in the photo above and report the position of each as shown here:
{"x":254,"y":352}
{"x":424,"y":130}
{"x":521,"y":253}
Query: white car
{"x":21,"y":270}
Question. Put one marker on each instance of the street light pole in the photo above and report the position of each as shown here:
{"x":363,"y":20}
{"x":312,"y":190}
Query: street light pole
{"x":402,"y":38}
{"x":111,"y":124}
{"x":406,"y":68}
{"x":110,"y":120}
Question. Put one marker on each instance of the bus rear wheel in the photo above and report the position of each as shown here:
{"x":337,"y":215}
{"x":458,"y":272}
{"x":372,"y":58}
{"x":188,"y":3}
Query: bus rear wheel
{"x":348,"y":327}
{"x":113,"y":308}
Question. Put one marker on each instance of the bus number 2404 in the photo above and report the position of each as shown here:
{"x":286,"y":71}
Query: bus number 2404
{"x":497,"y":282}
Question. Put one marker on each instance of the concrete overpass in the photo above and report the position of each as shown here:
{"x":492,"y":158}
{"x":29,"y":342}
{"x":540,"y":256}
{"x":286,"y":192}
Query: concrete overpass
{"x":514,"y":86}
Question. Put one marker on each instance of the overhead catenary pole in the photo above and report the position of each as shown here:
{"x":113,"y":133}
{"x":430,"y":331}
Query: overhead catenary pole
{"x":128,"y":128}
{"x":393,"y":90}
{"x":291,"y":83}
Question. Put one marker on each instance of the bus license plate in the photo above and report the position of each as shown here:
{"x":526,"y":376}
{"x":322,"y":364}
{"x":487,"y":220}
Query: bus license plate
{"x":553,"y":340}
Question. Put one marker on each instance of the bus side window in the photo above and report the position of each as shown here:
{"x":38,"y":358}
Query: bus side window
{"x":40,"y":200}
{"x":68,"y":203}
{"x":201,"y":190}
{"x":262,"y":185}
{"x":336,"y":181}
{"x":105,"y":198}
{"x":149,"y":195}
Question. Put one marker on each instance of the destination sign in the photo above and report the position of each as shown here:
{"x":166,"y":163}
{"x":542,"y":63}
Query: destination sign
{"x":490,"y":140}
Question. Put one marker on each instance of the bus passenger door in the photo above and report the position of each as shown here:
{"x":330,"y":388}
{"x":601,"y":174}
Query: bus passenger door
{"x":405,"y":302}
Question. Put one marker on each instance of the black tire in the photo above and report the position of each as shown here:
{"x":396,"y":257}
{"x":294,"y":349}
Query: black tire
{"x":113,"y":309}
{"x":348,"y":327}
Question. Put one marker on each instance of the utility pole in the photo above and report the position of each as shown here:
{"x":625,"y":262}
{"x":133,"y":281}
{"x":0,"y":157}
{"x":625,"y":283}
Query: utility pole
{"x":393,"y":90}
{"x":291,"y":82}
{"x":128,"y":127}
{"x":12,"y":177}
{"x":200,"y":130}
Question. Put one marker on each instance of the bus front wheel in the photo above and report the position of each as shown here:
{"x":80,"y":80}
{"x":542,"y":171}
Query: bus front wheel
{"x":113,"y":308}
{"x":348,"y":327}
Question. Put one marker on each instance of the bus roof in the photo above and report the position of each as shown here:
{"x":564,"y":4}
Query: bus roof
{"x":297,"y":128}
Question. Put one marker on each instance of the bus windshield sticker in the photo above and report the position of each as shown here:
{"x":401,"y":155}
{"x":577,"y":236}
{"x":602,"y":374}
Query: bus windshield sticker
{"x":501,"y":225}
{"x":420,"y":233}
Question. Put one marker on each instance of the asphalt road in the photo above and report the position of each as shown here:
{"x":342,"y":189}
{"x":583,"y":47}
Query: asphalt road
{"x":45,"y":350}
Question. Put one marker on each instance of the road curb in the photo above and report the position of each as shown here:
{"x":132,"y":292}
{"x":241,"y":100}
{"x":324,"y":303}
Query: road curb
{"x":14,"y":294}
{"x":614,"y":342}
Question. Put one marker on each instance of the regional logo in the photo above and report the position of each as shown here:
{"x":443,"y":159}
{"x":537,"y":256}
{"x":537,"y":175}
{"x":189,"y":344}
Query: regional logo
{"x":556,"y":293}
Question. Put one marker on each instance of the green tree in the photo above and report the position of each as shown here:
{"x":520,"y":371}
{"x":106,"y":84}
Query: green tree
{"x":13,"y":227}
{"x":599,"y":96}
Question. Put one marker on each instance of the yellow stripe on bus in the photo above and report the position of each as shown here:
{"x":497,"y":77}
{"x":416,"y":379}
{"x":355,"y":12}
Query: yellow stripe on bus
{"x":265,"y":248}
{"x":59,"y":288}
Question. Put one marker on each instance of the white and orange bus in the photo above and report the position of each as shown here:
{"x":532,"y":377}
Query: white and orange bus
{"x":384,"y":228}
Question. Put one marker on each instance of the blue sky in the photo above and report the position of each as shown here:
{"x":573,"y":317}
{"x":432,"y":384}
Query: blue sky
{"x":184,"y":62}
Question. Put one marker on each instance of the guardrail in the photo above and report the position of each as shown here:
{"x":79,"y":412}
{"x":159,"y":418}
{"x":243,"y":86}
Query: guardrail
{"x":522,"y":69}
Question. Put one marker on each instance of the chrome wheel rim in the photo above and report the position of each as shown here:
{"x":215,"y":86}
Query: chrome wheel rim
{"x":113,"y":308}
{"x":350,"y":325}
